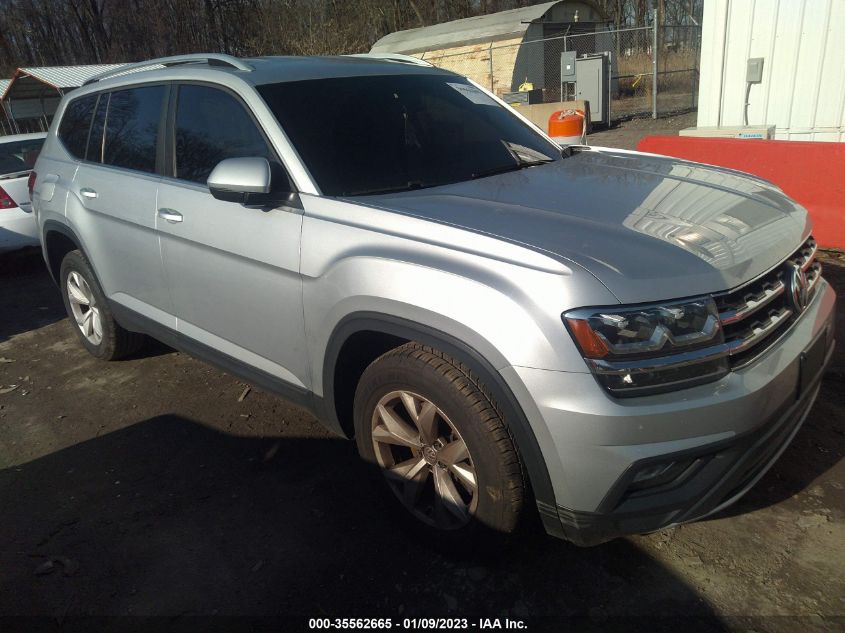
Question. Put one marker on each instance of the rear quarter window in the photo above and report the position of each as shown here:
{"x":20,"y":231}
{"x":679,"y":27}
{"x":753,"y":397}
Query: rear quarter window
{"x":75,"y":124}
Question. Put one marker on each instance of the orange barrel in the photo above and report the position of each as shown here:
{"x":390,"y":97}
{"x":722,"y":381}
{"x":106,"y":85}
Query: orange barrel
{"x":568,"y":127}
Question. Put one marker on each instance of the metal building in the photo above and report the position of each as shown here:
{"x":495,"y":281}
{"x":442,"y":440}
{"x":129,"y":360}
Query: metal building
{"x":31,"y":96}
{"x":802,"y":87}
{"x":467,"y":46}
{"x":6,"y":126}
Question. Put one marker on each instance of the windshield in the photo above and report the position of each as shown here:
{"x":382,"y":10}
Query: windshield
{"x":17,"y":156}
{"x":377,"y":134}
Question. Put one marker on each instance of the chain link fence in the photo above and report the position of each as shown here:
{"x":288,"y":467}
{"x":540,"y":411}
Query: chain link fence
{"x":633,"y":67}
{"x":678,"y":57}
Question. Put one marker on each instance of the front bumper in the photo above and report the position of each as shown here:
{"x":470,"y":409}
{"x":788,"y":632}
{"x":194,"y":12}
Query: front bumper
{"x":723,"y":436}
{"x":724,"y":472}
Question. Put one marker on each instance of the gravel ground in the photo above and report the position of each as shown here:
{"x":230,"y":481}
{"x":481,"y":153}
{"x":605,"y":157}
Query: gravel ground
{"x":150,"y":487}
{"x":626,"y":135}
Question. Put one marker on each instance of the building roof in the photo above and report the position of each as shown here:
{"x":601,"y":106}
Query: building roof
{"x":29,"y":82}
{"x":499,"y":25}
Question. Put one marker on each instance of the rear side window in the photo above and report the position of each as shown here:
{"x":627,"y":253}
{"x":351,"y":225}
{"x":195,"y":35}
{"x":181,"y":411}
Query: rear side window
{"x":132,"y":125}
{"x":212,"y":125}
{"x":73,"y":130}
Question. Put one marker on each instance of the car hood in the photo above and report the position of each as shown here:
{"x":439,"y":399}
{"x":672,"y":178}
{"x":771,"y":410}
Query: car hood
{"x":648,"y":227}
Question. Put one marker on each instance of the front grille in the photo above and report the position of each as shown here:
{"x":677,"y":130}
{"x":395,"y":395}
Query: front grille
{"x":751,"y":318}
{"x":755,"y":315}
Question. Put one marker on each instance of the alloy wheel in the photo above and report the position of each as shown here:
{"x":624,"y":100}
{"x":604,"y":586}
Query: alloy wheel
{"x":425,"y":460}
{"x":84,"y":307}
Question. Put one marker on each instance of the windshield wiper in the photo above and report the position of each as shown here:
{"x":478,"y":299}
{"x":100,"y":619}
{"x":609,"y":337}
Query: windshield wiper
{"x":415,"y":184}
{"x":506,"y":168}
{"x":523,"y":157}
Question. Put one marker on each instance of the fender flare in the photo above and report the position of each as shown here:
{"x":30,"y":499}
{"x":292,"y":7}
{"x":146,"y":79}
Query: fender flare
{"x":57,"y":227}
{"x":516,"y":420}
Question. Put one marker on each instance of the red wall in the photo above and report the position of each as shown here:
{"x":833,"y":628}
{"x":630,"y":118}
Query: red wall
{"x":813,"y":174}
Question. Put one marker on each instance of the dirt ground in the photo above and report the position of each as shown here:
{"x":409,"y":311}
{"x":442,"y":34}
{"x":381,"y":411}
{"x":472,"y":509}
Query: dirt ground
{"x":150,"y":486}
{"x":626,"y":135}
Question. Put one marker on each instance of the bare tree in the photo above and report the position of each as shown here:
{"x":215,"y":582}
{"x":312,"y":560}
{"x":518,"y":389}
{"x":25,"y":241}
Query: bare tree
{"x":66,"y":32}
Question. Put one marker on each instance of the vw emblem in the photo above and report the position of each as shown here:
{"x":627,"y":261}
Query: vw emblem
{"x":798,"y":288}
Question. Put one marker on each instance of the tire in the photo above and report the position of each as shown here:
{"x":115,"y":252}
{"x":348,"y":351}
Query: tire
{"x":422,"y":462}
{"x":93,"y":321}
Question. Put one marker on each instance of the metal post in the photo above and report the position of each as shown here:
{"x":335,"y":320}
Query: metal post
{"x":565,"y":48}
{"x":609,"y":87}
{"x":654,"y":64}
{"x":16,"y":129}
{"x":491,"y":68}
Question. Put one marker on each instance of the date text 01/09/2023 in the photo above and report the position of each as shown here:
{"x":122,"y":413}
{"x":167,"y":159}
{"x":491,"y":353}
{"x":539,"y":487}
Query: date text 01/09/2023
{"x":412,"y":624}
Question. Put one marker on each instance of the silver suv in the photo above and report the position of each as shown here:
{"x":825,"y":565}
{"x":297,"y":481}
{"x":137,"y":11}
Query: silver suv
{"x":628,"y":340}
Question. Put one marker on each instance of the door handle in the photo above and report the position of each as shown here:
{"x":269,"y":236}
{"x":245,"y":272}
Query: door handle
{"x":87,"y":192}
{"x":170,"y":215}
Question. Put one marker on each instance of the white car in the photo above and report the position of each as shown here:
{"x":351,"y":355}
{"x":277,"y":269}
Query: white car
{"x":17,"y":157}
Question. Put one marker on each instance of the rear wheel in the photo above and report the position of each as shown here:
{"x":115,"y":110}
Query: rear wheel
{"x":89,"y":312}
{"x":440,"y":444}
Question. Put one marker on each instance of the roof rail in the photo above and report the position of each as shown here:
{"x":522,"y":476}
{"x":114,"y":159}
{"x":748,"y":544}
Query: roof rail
{"x":212,"y":59}
{"x":394,"y":57}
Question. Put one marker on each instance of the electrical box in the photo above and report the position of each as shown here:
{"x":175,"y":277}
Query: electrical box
{"x":754,"y":72}
{"x":524,"y":97}
{"x":591,"y":85}
{"x":567,"y":66}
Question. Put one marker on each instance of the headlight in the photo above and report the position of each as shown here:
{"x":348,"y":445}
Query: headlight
{"x":647,"y":349}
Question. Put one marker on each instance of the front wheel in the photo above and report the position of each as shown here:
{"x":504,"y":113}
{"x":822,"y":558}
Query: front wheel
{"x":443,"y":450}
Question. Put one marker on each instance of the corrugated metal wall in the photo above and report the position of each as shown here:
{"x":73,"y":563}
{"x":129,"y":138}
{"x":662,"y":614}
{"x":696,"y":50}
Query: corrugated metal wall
{"x":803,"y":43}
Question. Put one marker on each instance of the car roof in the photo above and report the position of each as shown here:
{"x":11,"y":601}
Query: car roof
{"x":259,"y":70}
{"x":283,"y":69}
{"x":22,"y":137}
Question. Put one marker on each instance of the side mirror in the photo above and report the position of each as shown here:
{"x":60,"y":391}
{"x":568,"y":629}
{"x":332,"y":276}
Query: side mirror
{"x":239,"y":179}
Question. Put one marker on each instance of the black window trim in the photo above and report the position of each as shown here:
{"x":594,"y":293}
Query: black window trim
{"x":169,"y":171}
{"x":169,"y":96}
{"x":166,"y":141}
{"x":160,"y":149}
{"x":100,"y":95}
